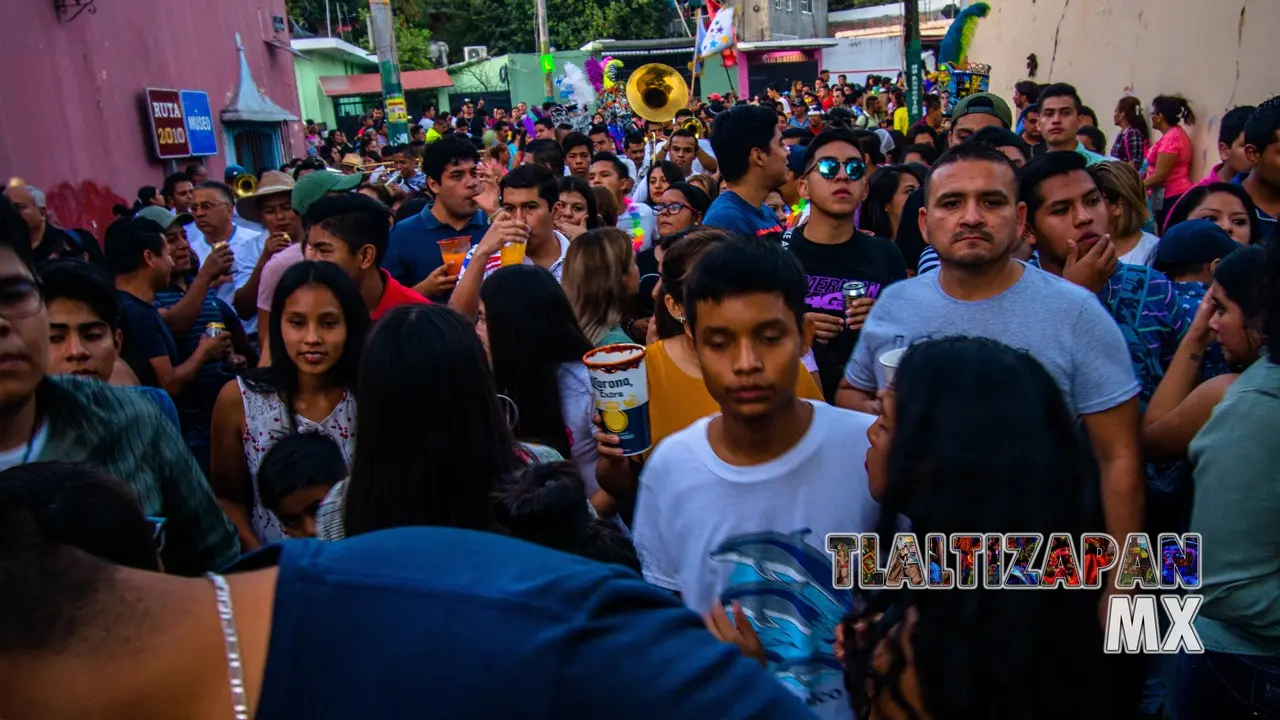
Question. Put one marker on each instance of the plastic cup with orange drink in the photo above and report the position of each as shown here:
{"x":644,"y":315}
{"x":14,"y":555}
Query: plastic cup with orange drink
{"x":454,"y":251}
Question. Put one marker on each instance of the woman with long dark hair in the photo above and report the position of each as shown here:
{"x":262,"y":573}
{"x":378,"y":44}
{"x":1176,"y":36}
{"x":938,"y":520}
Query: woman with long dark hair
{"x":535,"y":346}
{"x":575,"y":212}
{"x":318,"y":324}
{"x":887,"y":193}
{"x":996,"y":453}
{"x":661,"y":176}
{"x":1134,"y":140}
{"x":1226,"y":204}
{"x":424,"y":361}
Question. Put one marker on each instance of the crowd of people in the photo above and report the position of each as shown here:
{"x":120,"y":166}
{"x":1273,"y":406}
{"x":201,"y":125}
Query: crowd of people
{"x":1085,"y":347}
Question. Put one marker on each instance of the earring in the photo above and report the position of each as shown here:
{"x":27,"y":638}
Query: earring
{"x":510,"y":410}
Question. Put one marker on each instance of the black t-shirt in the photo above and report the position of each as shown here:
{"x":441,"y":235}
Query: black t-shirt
{"x":864,"y":257}
{"x":910,"y":240}
{"x":145,"y":337}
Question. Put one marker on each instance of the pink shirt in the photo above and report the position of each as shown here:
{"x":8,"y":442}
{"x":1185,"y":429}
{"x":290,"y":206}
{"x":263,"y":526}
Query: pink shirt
{"x":1174,"y":142}
{"x":273,"y":271}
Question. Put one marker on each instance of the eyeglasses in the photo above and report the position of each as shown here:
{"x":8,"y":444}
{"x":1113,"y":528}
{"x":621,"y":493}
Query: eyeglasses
{"x":206,"y":207}
{"x":829,"y":168}
{"x":19,"y":298}
{"x":674,"y":208}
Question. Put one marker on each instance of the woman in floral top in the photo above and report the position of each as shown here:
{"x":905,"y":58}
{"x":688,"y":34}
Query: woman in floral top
{"x":318,"y":324}
{"x":1134,"y":139}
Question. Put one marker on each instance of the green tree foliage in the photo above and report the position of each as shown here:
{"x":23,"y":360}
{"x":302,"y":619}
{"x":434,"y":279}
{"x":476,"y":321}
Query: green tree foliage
{"x":411,"y":46}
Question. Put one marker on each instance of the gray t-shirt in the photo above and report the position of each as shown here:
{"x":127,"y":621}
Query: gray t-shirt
{"x":1062,"y":325}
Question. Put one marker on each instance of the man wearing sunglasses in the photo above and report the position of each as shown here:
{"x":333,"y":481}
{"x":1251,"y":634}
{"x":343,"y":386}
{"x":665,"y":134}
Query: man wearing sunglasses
{"x":119,"y":432}
{"x":833,"y":251}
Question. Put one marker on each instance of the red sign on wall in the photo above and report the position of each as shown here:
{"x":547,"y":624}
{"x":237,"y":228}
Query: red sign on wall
{"x":168,"y":128}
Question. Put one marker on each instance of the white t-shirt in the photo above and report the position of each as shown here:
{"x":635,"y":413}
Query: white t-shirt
{"x":1144,"y":253}
{"x":757,"y":535}
{"x":246,"y":245}
{"x":648,"y":223}
{"x":578,"y":405}
{"x":30,"y":450}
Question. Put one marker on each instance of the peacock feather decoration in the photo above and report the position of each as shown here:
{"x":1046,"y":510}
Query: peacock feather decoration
{"x":959,"y":38}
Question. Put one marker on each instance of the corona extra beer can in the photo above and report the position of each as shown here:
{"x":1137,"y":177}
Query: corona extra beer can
{"x":215,"y":329}
{"x":621,"y":392}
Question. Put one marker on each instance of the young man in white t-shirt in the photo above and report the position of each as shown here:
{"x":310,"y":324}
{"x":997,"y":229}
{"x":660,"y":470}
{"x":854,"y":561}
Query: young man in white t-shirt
{"x":735,"y":509}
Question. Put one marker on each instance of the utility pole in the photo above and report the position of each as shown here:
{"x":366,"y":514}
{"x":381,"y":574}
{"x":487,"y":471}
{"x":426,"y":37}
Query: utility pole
{"x":545,"y":60}
{"x":911,"y":56}
{"x":382,"y":30}
{"x":328,"y":27}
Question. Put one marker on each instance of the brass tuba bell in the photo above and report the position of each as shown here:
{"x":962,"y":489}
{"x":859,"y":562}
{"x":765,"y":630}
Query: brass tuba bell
{"x":656,"y":91}
{"x":693,"y":125}
{"x":244,"y":185}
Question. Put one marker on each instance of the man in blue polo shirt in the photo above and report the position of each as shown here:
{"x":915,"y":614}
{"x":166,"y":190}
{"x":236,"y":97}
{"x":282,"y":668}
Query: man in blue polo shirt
{"x":753,"y":162}
{"x":1262,"y":147}
{"x":413,"y":256}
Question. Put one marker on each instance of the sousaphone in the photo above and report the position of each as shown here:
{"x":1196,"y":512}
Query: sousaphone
{"x":656,"y":91}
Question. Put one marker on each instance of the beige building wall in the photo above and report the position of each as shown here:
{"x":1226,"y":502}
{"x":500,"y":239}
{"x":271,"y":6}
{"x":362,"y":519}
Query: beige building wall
{"x":1216,"y":53}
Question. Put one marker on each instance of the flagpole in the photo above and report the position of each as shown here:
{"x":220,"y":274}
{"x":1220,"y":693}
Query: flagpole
{"x":695,"y":69}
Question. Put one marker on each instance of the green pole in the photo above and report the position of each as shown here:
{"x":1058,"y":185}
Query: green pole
{"x":382,"y":30}
{"x":914,"y":65}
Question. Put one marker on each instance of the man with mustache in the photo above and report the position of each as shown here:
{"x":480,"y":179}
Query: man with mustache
{"x":973,"y":218}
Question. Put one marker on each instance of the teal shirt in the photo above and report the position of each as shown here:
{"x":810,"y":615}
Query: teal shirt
{"x":1236,"y":461}
{"x":121,"y":432}
{"x":616,"y":335}
{"x":1091,"y":158}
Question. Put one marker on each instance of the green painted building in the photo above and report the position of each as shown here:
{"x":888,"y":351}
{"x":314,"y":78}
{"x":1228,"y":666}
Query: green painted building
{"x":326,"y":57}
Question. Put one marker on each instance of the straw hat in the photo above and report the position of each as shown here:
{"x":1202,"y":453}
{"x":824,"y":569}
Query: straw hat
{"x":273,"y":182}
{"x":352,"y":160}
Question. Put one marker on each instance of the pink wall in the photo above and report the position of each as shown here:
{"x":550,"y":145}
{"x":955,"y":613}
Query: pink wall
{"x":72,"y":118}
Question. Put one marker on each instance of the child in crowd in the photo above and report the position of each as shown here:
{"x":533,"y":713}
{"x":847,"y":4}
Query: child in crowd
{"x":295,"y":475}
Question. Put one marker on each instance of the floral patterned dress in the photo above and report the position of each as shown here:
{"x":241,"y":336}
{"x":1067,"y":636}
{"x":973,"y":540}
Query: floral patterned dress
{"x":265,"y":423}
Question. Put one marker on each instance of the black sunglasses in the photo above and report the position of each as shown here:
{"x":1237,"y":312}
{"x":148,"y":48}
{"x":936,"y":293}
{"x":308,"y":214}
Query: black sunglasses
{"x":829,"y":168}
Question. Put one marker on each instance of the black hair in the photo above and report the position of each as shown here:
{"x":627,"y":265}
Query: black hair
{"x":697,"y":198}
{"x":1131,"y":108}
{"x":313,"y":164}
{"x":280,"y":378}
{"x":402,"y":476}
{"x":171,"y":181}
{"x":564,"y":127}
{"x":1086,"y":111}
{"x":575,"y":140}
{"x":938,"y":455}
{"x":533,"y":176}
{"x":970,"y":152}
{"x":546,"y":152}
{"x":14,"y":232}
{"x":928,"y":153}
{"x":447,"y":151}
{"x":742,"y":266}
{"x":75,"y":505}
{"x":1047,"y":166}
{"x":1271,"y":325}
{"x":827,"y":137}
{"x":618,"y":166}
{"x":355,"y":219}
{"x":1098,"y":137}
{"x":1263,"y":125}
{"x":73,"y":279}
{"x":685,"y":133}
{"x":411,"y":207}
{"x":736,"y":132}
{"x":126,"y":241}
{"x":671,"y":171}
{"x":1242,"y":274}
{"x":532,"y":332}
{"x":1174,"y":108}
{"x":298,"y":461}
{"x":194,"y":169}
{"x":633,"y":138}
{"x":869,"y":144}
{"x":922,"y":127}
{"x":998,"y":137}
{"x":1030,"y":89}
{"x":416,"y":130}
{"x":1233,"y":123}
{"x":881,"y":189}
{"x":598,"y":129}
{"x":146,"y":194}
{"x":1192,"y":198}
{"x":222,"y":189}
{"x":1060,"y":90}
{"x":571,"y":184}
{"x":544,"y":505}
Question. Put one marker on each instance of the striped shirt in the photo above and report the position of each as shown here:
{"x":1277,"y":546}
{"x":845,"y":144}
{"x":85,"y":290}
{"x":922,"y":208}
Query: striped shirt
{"x":195,"y":402}
{"x":121,"y":433}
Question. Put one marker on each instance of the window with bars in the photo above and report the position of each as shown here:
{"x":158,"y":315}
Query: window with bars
{"x":806,"y":6}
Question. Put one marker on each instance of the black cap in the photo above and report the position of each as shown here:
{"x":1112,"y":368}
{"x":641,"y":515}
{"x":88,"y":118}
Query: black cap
{"x":1194,"y":242}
